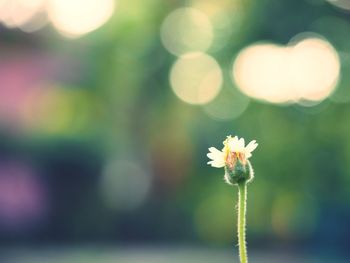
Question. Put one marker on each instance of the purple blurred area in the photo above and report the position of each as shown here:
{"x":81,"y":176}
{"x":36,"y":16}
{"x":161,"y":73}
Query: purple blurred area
{"x":23,"y":199}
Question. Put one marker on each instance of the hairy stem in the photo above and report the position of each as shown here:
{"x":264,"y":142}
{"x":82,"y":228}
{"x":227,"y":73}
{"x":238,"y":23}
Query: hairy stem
{"x":242,"y":208}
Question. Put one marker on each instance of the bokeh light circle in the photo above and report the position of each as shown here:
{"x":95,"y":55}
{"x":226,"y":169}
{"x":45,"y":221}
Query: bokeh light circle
{"x":307,"y":69}
{"x":124,"y":184}
{"x":316,"y":68}
{"x":20,"y":13}
{"x":78,"y":17}
{"x":228,"y":105}
{"x":343,"y":4}
{"x":342,"y":93}
{"x":186,"y":30}
{"x":227,"y":18}
{"x":196,"y":78}
{"x":259,"y":74}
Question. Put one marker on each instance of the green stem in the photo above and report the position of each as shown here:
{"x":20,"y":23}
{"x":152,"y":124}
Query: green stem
{"x":242,"y":209}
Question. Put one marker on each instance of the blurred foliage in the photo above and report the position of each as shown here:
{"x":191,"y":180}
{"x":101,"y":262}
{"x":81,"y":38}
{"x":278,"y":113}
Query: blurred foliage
{"x":110,"y":101}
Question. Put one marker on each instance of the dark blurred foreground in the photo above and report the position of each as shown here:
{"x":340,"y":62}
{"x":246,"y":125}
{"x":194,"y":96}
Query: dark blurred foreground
{"x":153,"y":255}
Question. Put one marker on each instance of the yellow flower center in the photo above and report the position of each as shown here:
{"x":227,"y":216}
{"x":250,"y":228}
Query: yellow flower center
{"x":232,"y":157}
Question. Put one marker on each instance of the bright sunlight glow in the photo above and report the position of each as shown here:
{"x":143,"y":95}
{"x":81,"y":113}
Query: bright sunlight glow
{"x":308,"y":70}
{"x":17,"y":13}
{"x":78,"y":17}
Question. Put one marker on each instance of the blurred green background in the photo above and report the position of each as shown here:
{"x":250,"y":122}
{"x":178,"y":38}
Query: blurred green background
{"x":107,"y":109}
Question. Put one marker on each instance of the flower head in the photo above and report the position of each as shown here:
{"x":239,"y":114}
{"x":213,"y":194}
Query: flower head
{"x":234,"y":148}
{"x":234,"y":157}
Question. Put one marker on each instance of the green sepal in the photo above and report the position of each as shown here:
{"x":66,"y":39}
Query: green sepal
{"x":241,"y":173}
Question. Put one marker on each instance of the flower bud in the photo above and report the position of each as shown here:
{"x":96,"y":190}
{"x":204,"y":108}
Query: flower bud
{"x":239,"y":172}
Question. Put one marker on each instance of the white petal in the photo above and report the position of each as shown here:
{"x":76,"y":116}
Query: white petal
{"x":217,"y":157}
{"x":214,"y":153}
{"x":236,"y":145}
{"x":251,"y":146}
{"x":228,"y":138}
{"x":240,"y":145}
{"x":217,"y":163}
{"x":235,"y":139}
{"x":214,"y":150}
{"x":232,"y":143}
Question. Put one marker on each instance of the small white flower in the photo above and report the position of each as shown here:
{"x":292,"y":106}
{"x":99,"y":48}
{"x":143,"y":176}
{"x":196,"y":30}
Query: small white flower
{"x":234,"y":148}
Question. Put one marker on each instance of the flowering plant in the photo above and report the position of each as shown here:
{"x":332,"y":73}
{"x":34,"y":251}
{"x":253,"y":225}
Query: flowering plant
{"x":238,"y":171}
